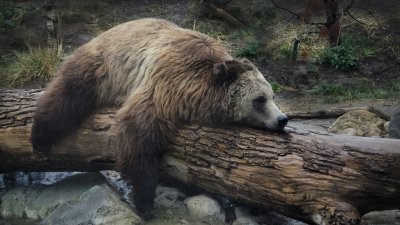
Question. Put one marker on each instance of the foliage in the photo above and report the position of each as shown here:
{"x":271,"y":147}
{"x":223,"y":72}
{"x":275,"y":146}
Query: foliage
{"x":265,"y":15}
{"x":342,"y":57}
{"x":285,"y":51}
{"x":252,"y":49}
{"x":362,"y":90}
{"x":276,"y":87}
{"x":11,"y":15}
{"x":38,"y":64}
{"x":347,"y":55}
{"x":312,"y":68}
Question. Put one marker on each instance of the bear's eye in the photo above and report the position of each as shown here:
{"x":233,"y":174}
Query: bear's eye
{"x":260,"y":100}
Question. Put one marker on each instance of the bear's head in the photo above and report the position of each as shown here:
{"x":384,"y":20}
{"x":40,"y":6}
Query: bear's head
{"x":251,"y":99}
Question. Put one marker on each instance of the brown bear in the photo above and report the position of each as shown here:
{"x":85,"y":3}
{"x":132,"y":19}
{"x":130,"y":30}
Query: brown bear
{"x":163,"y":76}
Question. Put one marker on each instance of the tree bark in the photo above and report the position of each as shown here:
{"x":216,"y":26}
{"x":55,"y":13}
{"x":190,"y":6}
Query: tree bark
{"x":316,"y":178}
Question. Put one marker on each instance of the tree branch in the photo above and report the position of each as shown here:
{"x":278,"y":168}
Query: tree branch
{"x":287,"y":10}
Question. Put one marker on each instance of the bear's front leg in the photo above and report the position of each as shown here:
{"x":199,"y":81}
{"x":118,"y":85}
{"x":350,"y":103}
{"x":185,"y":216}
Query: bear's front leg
{"x":141,"y":138}
{"x":144,"y":190}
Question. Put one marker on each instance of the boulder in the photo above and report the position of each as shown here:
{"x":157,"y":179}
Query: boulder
{"x":394,"y":125}
{"x":97,"y":206}
{"x":244,"y":221}
{"x":168,"y":197}
{"x":202,"y":206}
{"x":386,"y":217}
{"x":37,"y":201}
{"x":359,"y":123}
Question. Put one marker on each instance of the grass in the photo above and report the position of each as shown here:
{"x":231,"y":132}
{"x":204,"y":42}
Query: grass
{"x":276,"y":87}
{"x":37,"y":64}
{"x":333,"y":93}
{"x":280,"y":45}
{"x":347,"y":55}
{"x":252,"y":49}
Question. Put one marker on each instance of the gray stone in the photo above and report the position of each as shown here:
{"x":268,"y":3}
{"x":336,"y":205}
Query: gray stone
{"x":168,"y":197}
{"x":37,"y":201}
{"x":244,"y":221}
{"x":359,"y":123}
{"x":202,"y":206}
{"x":242,"y":212}
{"x":387,"y":217}
{"x":394,"y":125}
{"x":98,"y":206}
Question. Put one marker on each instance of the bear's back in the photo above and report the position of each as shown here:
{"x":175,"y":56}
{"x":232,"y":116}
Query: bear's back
{"x":134,"y":53}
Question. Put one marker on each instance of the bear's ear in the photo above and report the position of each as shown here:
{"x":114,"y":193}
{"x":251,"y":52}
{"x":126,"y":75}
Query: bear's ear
{"x":247,"y":64}
{"x":228,"y":71}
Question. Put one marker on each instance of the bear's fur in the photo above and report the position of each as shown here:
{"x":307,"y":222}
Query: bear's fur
{"x":162,"y":76}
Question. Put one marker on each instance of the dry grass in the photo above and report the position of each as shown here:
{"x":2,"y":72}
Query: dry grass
{"x":280,"y":46}
{"x":37,"y":64}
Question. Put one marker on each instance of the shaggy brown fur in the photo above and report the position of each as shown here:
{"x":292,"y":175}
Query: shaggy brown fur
{"x":161,"y":74}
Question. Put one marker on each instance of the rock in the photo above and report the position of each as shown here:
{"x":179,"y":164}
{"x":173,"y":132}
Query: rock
{"x":3,"y":223}
{"x":37,"y":201}
{"x":168,"y":197}
{"x":242,"y":212}
{"x":118,"y":183}
{"x":202,"y":206}
{"x":348,"y":131}
{"x":386,"y":126}
{"x":359,"y":123}
{"x":2,"y":185}
{"x":98,"y":206}
{"x":394,"y":125}
{"x":244,"y":221}
{"x":386,"y":217}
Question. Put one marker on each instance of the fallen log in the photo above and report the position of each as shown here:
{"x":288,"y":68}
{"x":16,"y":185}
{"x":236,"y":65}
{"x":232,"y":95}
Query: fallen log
{"x":334,"y":113}
{"x":316,"y":178}
{"x":219,"y":12}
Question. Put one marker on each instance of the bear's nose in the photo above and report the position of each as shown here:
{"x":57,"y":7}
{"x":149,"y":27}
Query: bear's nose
{"x":282,"y":121}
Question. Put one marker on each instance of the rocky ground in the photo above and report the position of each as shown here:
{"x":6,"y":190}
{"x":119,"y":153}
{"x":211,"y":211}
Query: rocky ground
{"x":87,"y":198}
{"x":90,"y":198}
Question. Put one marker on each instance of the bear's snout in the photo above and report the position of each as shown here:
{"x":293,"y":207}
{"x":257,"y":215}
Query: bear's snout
{"x":282,"y":121}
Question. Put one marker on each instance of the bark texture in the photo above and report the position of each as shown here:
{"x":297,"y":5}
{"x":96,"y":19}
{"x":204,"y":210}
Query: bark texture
{"x":316,"y":178}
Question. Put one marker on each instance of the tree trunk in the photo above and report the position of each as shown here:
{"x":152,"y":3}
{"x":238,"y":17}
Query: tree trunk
{"x":332,"y":23}
{"x":312,"y":177}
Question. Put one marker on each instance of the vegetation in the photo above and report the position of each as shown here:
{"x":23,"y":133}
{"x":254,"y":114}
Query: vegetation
{"x":347,"y":55}
{"x":276,"y":87}
{"x":251,"y":49}
{"x":268,"y":36}
{"x":11,"y":15}
{"x":332,"y":93}
{"x":341,"y":57}
{"x":37,"y":64}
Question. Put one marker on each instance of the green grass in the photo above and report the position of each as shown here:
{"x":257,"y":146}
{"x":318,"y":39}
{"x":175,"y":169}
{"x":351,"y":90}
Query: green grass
{"x":276,"y":87}
{"x":37,"y":64}
{"x":252,"y":49}
{"x":332,"y":93}
{"x":347,"y":55}
{"x":343,"y":57}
